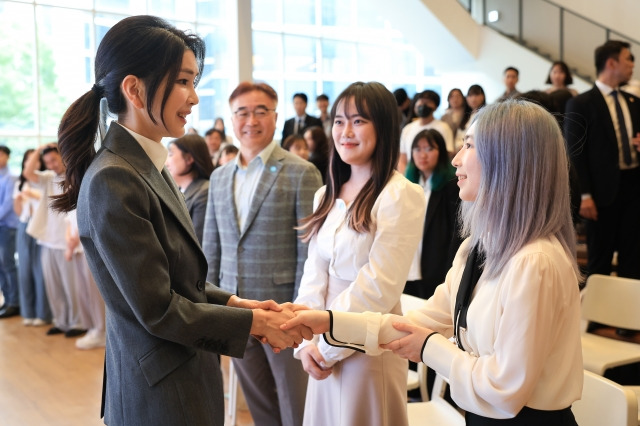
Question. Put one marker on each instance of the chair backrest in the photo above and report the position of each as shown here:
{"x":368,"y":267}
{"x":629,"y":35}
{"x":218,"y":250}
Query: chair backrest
{"x":605,"y":403}
{"x":438,"y":411}
{"x":612,"y":301}
{"x":439,"y":388}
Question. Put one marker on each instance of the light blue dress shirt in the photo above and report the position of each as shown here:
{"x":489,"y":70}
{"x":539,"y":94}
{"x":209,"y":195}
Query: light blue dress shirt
{"x":246,"y":180}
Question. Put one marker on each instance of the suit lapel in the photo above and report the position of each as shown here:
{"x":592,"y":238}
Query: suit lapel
{"x":191,"y":189}
{"x":266,"y":181}
{"x":124,"y":145}
{"x":434,"y":200}
{"x":601,"y":105}
{"x":228,"y":198}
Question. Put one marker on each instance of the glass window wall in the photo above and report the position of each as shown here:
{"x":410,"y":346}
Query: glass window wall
{"x":47,"y":51}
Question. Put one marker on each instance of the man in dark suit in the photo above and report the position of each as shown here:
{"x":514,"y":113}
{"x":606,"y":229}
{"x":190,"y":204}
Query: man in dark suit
{"x":602,"y":129}
{"x":253,"y":249}
{"x":298,"y":124}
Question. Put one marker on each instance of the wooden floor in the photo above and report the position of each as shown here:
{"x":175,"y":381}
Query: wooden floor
{"x":45,"y":380}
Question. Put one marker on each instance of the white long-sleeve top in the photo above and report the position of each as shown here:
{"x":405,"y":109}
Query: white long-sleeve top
{"x":356,"y":272}
{"x":522,"y":344}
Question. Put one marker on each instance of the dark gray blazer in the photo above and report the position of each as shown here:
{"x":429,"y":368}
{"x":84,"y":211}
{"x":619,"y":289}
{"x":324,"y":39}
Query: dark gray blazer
{"x":164,"y":322}
{"x":195,"y":197}
{"x":266,"y":260}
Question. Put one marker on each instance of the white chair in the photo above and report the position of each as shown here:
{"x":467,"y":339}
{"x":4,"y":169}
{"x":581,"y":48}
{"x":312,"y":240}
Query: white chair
{"x":612,"y":301}
{"x":636,"y":390}
{"x":437,"y":411}
{"x":418,"y":380}
{"x":605,"y":403}
{"x":415,"y":379}
{"x":233,"y":395}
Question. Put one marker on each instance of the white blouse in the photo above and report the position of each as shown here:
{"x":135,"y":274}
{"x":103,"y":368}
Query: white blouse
{"x":356,"y":272}
{"x":29,"y":203}
{"x":522,"y":345}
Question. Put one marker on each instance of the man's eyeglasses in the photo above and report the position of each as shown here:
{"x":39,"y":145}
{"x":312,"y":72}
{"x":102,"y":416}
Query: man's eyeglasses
{"x":258,"y":112}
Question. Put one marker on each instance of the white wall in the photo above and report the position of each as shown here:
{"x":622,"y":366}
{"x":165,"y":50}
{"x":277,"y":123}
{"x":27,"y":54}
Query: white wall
{"x":621,"y":15}
{"x":463,"y":51}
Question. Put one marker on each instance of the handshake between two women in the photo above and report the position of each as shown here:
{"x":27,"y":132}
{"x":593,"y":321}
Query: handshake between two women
{"x":288,"y":324}
{"x":268,"y":316}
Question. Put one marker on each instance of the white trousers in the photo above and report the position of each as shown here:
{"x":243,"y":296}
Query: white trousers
{"x":61,"y":282}
{"x":91,"y":302}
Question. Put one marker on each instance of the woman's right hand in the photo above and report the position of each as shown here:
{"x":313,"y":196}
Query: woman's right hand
{"x":313,"y":362}
{"x":317,"y":321}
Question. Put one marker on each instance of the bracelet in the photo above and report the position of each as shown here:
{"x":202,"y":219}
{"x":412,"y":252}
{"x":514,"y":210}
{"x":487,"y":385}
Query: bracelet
{"x":425,"y":344}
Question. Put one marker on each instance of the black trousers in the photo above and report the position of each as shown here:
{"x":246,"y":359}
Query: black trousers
{"x":526,"y":417}
{"x":617,"y":228}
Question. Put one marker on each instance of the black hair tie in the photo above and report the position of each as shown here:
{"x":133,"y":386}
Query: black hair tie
{"x":97,"y":89}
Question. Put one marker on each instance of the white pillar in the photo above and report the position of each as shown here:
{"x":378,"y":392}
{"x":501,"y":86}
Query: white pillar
{"x":242,"y":42}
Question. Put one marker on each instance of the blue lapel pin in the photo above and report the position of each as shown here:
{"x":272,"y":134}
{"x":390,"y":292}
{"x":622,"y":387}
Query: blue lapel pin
{"x":273,"y":169}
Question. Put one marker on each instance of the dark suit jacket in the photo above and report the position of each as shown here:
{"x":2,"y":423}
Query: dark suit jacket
{"x":164,"y":322}
{"x":440,"y":240}
{"x":266,"y":259}
{"x":195,"y":197}
{"x":592,"y":143}
{"x":289,"y":125}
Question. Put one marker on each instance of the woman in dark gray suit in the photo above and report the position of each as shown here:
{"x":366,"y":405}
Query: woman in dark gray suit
{"x":190,"y":166}
{"x":164,"y":322}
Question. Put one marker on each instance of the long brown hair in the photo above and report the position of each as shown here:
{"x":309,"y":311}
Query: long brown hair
{"x":145,"y":46}
{"x":375,"y":103}
{"x":195,"y":147}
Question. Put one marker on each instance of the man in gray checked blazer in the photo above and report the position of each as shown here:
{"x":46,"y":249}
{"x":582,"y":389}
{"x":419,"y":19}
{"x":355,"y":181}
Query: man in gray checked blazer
{"x":252,"y":248}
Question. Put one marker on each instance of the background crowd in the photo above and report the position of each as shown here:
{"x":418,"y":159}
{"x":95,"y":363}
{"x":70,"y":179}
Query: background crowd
{"x":248,"y":196}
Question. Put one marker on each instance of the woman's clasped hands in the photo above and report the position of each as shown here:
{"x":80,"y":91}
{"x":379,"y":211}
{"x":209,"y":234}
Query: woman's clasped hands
{"x":409,"y":346}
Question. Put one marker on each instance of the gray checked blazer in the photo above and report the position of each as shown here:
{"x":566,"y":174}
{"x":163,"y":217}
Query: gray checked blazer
{"x":164,"y":322}
{"x":266,"y":259}
{"x":195,"y":197}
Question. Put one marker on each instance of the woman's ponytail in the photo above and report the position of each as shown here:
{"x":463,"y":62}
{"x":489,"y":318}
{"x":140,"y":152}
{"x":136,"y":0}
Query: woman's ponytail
{"x":76,"y":143}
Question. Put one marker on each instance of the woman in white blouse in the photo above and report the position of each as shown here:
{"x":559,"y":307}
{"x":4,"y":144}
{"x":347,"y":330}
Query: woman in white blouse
{"x":518,"y":356}
{"x":363,"y":233}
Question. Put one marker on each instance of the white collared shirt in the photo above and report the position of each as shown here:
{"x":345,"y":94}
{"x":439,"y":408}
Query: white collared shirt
{"x":246,"y":180}
{"x":156,"y":151}
{"x":299,"y":123}
{"x":606,"y":93}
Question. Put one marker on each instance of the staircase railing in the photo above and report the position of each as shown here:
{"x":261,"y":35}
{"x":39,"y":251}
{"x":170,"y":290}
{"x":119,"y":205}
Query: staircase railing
{"x":549,"y":30}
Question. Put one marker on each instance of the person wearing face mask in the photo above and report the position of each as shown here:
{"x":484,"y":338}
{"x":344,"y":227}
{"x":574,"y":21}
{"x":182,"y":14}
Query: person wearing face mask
{"x":427,"y":102}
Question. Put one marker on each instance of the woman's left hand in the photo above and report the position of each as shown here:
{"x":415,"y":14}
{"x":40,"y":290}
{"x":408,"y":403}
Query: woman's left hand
{"x":410,"y":346}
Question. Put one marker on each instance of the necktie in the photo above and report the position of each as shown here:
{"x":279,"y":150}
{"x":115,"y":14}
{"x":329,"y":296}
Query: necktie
{"x":298,"y":126}
{"x":624,"y":137}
